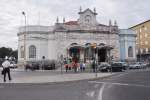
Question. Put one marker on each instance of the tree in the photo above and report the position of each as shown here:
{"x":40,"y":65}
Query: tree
{"x":4,"y":51}
{"x":14,"y":54}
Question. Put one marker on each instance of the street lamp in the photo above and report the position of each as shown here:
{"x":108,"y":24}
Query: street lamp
{"x":94,"y":45}
{"x":23,"y":13}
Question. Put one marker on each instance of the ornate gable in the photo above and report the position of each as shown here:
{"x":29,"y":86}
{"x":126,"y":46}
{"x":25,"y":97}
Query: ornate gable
{"x":87,"y":18}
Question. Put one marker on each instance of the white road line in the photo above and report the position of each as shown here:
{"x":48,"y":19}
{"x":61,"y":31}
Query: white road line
{"x":124,"y":84}
{"x":100,"y":96}
{"x":96,"y":85}
{"x":120,"y":75}
{"x":90,"y":94}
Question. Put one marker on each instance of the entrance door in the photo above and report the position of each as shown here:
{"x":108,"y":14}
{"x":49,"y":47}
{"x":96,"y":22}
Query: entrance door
{"x":75,"y":53}
{"x":101,"y":55}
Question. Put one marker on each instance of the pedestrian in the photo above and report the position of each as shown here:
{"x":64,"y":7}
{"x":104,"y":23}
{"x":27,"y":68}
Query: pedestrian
{"x":93,"y":65}
{"x":75,"y":65}
{"x":6,"y":68}
{"x":83,"y":65}
{"x":66,"y":64}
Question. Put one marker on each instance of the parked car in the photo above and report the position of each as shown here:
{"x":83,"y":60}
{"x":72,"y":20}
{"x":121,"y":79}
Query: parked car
{"x":144,"y":65}
{"x":125,"y":65}
{"x":135,"y":66}
{"x":32,"y":66}
{"x":104,"y":67}
{"x":116,"y":66}
{"x":13,"y":65}
{"x":49,"y":65}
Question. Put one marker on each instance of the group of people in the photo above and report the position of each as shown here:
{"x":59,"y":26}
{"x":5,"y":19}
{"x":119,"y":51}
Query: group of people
{"x":6,"y":69}
{"x":73,"y":64}
{"x":70,"y":64}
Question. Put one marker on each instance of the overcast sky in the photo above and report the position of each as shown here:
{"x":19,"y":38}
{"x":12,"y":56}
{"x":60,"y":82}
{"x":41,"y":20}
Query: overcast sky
{"x":126,"y":12}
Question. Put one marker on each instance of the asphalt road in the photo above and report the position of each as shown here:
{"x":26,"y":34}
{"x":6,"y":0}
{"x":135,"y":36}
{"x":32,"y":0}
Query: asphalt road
{"x":133,"y":85}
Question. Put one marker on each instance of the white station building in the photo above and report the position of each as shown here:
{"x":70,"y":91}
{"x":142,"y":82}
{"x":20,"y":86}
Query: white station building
{"x":75,"y":39}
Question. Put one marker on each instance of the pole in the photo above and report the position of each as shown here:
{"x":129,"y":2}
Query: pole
{"x":61,"y":62}
{"x":96,"y":61}
{"x":23,"y":13}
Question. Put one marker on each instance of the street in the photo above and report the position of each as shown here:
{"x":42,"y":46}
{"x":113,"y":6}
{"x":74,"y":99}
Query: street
{"x":132,"y":85}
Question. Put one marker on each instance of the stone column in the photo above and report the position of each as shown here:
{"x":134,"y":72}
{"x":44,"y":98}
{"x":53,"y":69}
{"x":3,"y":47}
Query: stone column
{"x":82,"y":54}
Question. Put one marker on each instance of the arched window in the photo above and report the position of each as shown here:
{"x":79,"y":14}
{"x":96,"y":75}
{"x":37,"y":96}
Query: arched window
{"x":130,"y":52}
{"x":32,"y":51}
{"x":22,"y":52}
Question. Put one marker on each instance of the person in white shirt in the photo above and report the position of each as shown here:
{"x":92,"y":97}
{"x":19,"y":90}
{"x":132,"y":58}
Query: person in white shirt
{"x":6,"y":68}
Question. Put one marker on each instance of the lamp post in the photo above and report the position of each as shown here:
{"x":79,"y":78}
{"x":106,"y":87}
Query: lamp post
{"x":61,"y":58}
{"x":23,"y":13}
{"x":94,"y":45}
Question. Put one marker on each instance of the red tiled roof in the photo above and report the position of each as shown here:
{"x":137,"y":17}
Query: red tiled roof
{"x":72,"y":23}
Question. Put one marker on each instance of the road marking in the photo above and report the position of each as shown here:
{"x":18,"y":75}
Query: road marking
{"x":96,"y":85}
{"x":100,"y":96}
{"x":120,"y":75}
{"x":90,"y":94}
{"x":124,"y":84}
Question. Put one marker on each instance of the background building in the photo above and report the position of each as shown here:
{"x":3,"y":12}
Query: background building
{"x":74,"y":39}
{"x":127,"y":45}
{"x":143,"y":40}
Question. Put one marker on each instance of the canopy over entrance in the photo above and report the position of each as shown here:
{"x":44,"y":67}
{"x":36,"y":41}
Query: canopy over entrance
{"x":86,"y":52}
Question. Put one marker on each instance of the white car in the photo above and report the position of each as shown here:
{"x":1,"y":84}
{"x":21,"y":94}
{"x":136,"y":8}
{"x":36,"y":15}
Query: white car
{"x":135,"y":66}
{"x":13,"y":65}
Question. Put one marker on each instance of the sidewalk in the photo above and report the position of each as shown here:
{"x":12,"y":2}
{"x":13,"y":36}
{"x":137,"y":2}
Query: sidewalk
{"x":50,"y":76}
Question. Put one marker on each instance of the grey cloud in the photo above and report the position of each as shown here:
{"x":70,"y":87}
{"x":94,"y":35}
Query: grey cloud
{"x":126,"y":12}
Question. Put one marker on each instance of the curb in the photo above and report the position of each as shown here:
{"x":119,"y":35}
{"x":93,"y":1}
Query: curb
{"x":53,"y":83}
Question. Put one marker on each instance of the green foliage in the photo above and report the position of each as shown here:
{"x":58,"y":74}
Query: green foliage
{"x":8,"y":52}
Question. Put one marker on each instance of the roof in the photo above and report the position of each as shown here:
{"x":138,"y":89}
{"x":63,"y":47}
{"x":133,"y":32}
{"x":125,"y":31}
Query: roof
{"x":127,"y":32}
{"x":87,"y":10}
{"x":72,"y":23}
{"x":139,"y":24}
{"x":101,"y":25}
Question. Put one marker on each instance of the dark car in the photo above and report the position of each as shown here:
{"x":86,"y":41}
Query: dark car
{"x":116,"y":67}
{"x":32,"y":66}
{"x":104,"y":67}
{"x":124,"y":65}
{"x":49,"y":66}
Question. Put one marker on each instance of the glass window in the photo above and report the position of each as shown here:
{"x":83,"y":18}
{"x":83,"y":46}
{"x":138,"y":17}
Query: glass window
{"x":130,"y":52}
{"x":145,"y":28}
{"x":146,"y":42}
{"x":141,"y":50}
{"x":32,"y":51}
{"x":145,"y":34}
{"x":149,"y":50}
{"x":146,"y":50}
{"x":140,"y":30}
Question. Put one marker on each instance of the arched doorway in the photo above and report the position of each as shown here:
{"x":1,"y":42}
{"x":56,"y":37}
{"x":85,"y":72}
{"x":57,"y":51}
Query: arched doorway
{"x":102,"y":55}
{"x":104,"y":52}
{"x":74,"y":51}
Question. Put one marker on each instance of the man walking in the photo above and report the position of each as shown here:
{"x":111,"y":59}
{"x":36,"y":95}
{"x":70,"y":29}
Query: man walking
{"x":6,"y":68}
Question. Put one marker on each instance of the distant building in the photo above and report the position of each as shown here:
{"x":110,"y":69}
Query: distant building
{"x":127,"y":42}
{"x":76,"y":39}
{"x":143,"y":40}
